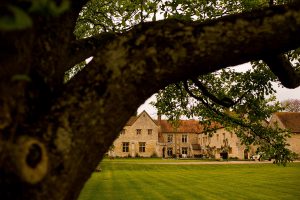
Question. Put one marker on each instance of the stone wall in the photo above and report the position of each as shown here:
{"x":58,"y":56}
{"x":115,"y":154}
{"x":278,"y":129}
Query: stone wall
{"x":180,"y":143}
{"x":294,"y":140}
{"x":143,"y":131}
{"x":222,"y":139}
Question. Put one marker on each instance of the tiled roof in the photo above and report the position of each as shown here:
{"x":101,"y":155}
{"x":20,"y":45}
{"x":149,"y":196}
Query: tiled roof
{"x":290,"y":120}
{"x":131,"y":120}
{"x":185,"y":126}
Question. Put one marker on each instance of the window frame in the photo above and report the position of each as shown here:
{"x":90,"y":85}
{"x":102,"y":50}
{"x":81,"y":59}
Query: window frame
{"x":184,"y":138}
{"x":142,"y":147}
{"x":125,"y":147}
{"x":138,"y":131}
{"x":170,"y":138}
{"x":184,"y":149}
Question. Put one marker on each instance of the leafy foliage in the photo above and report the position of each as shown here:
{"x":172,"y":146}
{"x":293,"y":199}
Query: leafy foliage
{"x":240,"y":101}
{"x":49,"y":7}
{"x":118,"y":16}
{"x":14,"y":19}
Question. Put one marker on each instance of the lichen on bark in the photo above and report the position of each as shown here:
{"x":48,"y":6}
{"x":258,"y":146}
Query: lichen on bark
{"x":80,"y":119}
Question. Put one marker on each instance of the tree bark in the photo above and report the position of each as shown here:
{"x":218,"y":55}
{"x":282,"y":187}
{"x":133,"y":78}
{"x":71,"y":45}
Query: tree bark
{"x":52,"y":135}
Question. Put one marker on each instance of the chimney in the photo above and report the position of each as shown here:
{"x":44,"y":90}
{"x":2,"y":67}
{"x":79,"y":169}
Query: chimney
{"x":159,"y":118}
{"x":160,"y":137}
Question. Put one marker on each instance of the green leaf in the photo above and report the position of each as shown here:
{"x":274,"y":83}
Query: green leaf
{"x":49,"y":7}
{"x":21,"y":77}
{"x":17,"y":21}
{"x":56,"y":10}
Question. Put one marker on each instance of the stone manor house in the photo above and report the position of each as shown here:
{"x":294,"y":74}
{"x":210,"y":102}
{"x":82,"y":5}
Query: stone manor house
{"x":143,"y":136}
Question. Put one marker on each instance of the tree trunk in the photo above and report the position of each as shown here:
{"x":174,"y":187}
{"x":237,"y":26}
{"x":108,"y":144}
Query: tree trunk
{"x":53,"y":135}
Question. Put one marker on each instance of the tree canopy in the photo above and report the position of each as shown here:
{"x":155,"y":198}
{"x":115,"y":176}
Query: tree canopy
{"x":54,"y":130}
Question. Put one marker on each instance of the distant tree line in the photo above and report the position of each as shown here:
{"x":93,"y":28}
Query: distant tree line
{"x":291,"y":105}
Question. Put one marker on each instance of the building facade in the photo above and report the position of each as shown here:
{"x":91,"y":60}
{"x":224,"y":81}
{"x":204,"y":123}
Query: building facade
{"x":178,"y":140}
{"x":291,"y":121}
{"x":143,"y":136}
{"x":223,"y":144}
{"x":138,"y":138}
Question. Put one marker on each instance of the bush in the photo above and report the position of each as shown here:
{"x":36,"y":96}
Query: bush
{"x":154,"y":155}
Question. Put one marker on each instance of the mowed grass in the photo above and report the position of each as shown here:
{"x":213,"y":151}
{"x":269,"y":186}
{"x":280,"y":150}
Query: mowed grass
{"x":152,"y":179}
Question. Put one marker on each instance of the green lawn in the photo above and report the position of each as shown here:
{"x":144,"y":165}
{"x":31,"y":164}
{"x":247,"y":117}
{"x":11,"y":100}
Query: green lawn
{"x":149,"y":179}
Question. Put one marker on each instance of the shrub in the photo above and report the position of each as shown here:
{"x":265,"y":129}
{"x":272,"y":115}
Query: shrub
{"x":154,"y":155}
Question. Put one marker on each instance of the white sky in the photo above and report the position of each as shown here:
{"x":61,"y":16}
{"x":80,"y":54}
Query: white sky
{"x":282,"y":94}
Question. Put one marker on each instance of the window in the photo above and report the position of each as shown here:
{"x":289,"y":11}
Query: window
{"x":217,"y":137}
{"x":184,"y":139}
{"x":142,"y":146}
{"x":125,"y":146}
{"x":170,"y":138}
{"x":170,"y":151}
{"x":184,"y":150}
{"x":149,"y":131}
{"x":123,"y":132}
{"x":138,"y":131}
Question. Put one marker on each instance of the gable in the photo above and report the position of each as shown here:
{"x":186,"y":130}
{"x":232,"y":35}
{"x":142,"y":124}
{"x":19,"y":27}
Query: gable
{"x":142,"y":120}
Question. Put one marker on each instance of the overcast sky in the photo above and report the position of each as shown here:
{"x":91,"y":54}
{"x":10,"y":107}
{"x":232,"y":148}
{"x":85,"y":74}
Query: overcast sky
{"x":282,"y":94}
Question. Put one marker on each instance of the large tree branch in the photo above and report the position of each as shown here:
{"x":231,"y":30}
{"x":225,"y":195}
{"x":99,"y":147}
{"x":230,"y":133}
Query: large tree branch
{"x":136,"y":64}
{"x":283,"y":69}
{"x":226,"y":102}
{"x":80,"y":50}
{"x":95,"y":104}
{"x":202,"y":47}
